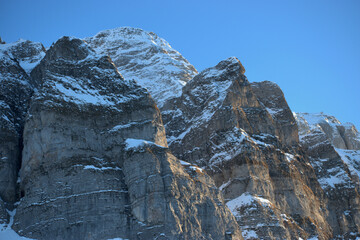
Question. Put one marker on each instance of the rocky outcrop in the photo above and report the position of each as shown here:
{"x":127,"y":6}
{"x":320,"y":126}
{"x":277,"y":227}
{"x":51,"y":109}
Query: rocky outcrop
{"x":221,"y":124}
{"x":15,"y":93}
{"x":146,"y":58}
{"x":96,"y":164}
{"x":335,"y":168}
{"x":27,"y":53}
{"x":344,"y":136}
{"x":273,"y":99}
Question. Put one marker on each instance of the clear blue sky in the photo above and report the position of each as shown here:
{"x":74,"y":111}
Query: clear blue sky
{"x":311,"y":49}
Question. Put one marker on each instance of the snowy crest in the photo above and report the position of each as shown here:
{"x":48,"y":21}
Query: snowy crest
{"x":146,"y":58}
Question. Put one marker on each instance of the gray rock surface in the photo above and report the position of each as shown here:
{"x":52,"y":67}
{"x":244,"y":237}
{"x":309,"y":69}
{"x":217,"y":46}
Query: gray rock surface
{"x":221,"y":124}
{"x":15,"y":93}
{"x":337,"y":169}
{"x":95,"y":160}
{"x":146,"y":58}
{"x":344,"y":136}
{"x":274,"y":100}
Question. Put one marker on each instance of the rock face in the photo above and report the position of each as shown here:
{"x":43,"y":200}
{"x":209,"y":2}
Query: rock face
{"x":324,"y":140}
{"x":95,"y":160}
{"x":15,"y":93}
{"x":344,"y":136}
{"x":84,"y":153}
{"x":221,"y":124}
{"x":273,"y":98}
{"x":27,"y":53}
{"x":146,"y":58}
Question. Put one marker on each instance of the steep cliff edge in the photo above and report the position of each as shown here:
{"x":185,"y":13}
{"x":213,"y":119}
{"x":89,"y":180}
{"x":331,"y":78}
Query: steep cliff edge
{"x":253,"y":155}
{"x":95,"y":160}
{"x":15,"y":94}
{"x":326,"y":142}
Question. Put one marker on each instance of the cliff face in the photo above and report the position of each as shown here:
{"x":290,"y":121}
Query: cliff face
{"x":95,"y":161}
{"x":15,"y":93}
{"x":87,"y":154}
{"x":326,"y":142}
{"x":228,"y":126}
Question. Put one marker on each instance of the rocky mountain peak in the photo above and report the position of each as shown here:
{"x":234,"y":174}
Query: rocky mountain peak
{"x":69,"y":48}
{"x":146,"y":58}
{"x":27,"y":53}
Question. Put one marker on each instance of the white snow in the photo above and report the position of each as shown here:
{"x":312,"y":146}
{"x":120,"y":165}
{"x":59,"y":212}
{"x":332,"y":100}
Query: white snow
{"x":146,"y":58}
{"x":352,"y":159}
{"x":332,"y":180}
{"x":7,"y":233}
{"x":248,"y":234}
{"x":274,"y":111}
{"x":128,"y":125}
{"x":246,"y":199}
{"x":133,"y":144}
{"x":101,"y":168}
{"x":191,"y":166}
{"x":289,"y":157}
{"x":184,"y":163}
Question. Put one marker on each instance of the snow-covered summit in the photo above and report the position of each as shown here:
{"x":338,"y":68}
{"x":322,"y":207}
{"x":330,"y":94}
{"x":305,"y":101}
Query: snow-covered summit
{"x":146,"y":58}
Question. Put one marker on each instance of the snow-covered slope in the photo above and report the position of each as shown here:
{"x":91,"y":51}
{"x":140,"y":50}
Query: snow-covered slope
{"x":27,"y":53}
{"x":146,"y":58}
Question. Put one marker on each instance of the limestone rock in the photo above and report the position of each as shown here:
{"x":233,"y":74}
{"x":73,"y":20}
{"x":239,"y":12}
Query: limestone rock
{"x":15,"y":93}
{"x":221,"y":124}
{"x":96,"y":164}
{"x":146,"y":58}
{"x":273,"y":98}
{"x":337,"y":169}
{"x":344,"y":136}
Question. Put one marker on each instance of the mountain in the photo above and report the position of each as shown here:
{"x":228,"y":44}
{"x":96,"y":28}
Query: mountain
{"x":117,"y":136}
{"x":146,"y":58}
{"x":249,"y":145}
{"x":95,"y":152}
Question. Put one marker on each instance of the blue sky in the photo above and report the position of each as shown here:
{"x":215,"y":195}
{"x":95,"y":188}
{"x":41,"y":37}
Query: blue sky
{"x":311,"y":49}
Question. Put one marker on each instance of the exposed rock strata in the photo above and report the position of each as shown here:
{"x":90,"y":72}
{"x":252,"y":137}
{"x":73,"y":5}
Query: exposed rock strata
{"x":96,"y":163}
{"x":15,"y":93}
{"x":337,"y":173}
{"x":221,"y":124}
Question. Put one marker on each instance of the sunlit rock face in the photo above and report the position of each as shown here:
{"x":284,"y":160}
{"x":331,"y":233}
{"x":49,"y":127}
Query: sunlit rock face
{"x":146,"y":58}
{"x":246,"y":137}
{"x":96,"y":164}
{"x":99,"y":160}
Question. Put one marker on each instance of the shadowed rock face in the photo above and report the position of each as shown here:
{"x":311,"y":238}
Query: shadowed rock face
{"x":15,"y":93}
{"x":146,"y":58}
{"x":96,"y":164}
{"x":337,"y":169}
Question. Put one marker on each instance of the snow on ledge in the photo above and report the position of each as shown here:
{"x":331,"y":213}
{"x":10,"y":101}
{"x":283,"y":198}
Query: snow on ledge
{"x":134,"y":144}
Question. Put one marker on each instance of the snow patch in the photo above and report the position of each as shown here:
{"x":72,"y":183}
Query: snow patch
{"x":249,"y":234}
{"x":7,"y":233}
{"x":133,"y":144}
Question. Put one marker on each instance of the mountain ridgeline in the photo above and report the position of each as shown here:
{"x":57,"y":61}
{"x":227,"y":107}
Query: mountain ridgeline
{"x":117,"y":136}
